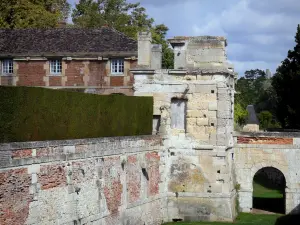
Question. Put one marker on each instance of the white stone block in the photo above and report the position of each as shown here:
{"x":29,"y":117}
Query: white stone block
{"x":213,"y":106}
{"x":35,"y":168}
{"x":202,"y":121}
{"x":33,"y":178}
{"x":69,"y":149}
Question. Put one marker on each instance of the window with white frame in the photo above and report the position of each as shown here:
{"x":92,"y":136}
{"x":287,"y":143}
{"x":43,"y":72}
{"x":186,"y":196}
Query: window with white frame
{"x":55,"y":67}
{"x":7,"y":66}
{"x":117,"y":66}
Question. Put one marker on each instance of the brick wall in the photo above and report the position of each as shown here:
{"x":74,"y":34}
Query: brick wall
{"x":107,"y":180}
{"x":75,"y":73}
{"x":31,"y":73}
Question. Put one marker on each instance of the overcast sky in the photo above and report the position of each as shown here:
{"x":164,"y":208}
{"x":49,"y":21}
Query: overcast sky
{"x":259,"y":32}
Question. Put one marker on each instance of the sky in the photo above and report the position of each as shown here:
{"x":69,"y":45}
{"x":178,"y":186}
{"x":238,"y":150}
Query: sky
{"x":259,"y":32}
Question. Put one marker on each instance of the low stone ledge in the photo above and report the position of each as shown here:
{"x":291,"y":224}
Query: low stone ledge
{"x":202,"y":195}
{"x":54,"y":143}
{"x":266,"y":134}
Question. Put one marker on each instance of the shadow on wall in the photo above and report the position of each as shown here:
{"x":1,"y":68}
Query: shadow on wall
{"x":291,"y":219}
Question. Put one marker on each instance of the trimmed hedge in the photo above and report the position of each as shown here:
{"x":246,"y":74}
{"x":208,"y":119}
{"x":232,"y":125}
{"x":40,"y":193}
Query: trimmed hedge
{"x":36,"y":114}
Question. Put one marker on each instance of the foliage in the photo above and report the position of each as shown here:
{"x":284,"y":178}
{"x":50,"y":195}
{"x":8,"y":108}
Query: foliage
{"x":34,"y":114}
{"x":240,"y":114}
{"x":159,"y":33}
{"x":266,"y":120}
{"x":32,"y":13}
{"x":286,"y":84}
{"x":256,"y":89}
{"x":250,"y":87}
{"x":128,"y":18}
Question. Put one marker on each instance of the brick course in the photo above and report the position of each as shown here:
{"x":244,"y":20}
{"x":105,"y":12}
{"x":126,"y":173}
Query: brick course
{"x":265,"y":140}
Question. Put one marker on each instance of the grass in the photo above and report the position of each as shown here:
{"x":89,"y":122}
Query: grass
{"x":242,"y":219}
{"x":260,"y":191}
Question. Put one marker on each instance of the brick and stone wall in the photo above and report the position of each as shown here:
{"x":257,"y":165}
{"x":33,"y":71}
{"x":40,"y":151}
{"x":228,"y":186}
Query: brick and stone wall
{"x":95,"y":181}
{"x":256,"y":152}
{"x":92,"y":76}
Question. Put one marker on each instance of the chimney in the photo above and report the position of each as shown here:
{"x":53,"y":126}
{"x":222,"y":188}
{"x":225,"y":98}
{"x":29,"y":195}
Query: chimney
{"x":144,"y":49}
{"x":156,"y":57}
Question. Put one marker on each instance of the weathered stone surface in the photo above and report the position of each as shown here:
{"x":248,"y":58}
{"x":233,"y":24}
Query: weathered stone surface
{"x":272,"y":152}
{"x":107,"y":182}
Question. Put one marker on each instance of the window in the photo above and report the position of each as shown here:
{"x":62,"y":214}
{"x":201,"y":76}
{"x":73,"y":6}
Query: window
{"x":117,"y":66}
{"x":178,"y":113}
{"x":55,"y":66}
{"x":7,"y":66}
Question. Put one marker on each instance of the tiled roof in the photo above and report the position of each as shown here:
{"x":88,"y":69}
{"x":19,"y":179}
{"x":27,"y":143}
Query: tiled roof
{"x":66,"y":42}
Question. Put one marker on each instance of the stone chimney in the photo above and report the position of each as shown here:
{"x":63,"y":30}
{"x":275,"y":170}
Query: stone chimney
{"x":144,"y":49}
{"x":156,"y":57}
{"x":199,"y":52}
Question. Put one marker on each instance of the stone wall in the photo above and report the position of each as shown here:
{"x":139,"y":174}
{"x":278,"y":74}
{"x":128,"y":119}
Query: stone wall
{"x":198,"y":173}
{"x":92,"y":76}
{"x":193,"y":110}
{"x":255,"y":152}
{"x":94,"y":181}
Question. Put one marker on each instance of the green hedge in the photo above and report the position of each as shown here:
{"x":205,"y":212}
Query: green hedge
{"x":35,"y":114}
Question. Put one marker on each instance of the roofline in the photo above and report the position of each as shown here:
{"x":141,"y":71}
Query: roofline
{"x":72,"y":54}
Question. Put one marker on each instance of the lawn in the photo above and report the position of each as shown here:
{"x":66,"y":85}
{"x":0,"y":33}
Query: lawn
{"x":268,"y":197}
{"x":262,"y":189}
{"x":242,"y":219}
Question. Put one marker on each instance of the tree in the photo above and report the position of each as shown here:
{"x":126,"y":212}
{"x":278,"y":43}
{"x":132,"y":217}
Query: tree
{"x":159,"y":33}
{"x":240,"y":115}
{"x":128,"y":18}
{"x":32,"y":13}
{"x":286,"y":83}
{"x":125,"y":17}
{"x":250,"y":87}
{"x":255,"y":89}
{"x":265,"y":119}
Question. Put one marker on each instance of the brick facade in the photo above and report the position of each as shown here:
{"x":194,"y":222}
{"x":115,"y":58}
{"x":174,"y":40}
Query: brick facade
{"x":82,"y":74}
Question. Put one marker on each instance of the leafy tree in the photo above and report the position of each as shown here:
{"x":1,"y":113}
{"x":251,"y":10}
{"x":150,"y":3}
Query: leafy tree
{"x":286,"y":83}
{"x":32,"y":13}
{"x":128,"y":18}
{"x":254,"y":74}
{"x":240,"y":115}
{"x":125,"y":17}
{"x":159,"y":33}
{"x":250,"y":87}
{"x":256,"y":89}
{"x":265,"y":119}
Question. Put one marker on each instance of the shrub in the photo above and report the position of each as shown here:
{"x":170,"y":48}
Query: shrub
{"x":35,"y":114}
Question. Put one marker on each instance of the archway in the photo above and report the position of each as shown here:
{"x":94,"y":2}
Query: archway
{"x":269,"y":191}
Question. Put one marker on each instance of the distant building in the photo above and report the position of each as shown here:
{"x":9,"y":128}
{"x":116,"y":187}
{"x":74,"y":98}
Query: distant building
{"x":93,"y":60}
{"x":268,"y":74}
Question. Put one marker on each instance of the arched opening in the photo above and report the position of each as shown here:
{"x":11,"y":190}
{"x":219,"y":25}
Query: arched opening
{"x":269,"y":191}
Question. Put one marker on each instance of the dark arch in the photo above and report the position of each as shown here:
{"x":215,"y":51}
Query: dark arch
{"x":269,"y":185}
